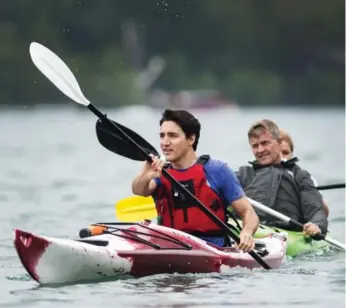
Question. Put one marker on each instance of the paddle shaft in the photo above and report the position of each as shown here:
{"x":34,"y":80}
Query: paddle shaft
{"x":332,"y":186}
{"x":204,"y":209}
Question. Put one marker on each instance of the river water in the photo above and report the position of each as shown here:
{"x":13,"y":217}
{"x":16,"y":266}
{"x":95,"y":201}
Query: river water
{"x":56,"y":178}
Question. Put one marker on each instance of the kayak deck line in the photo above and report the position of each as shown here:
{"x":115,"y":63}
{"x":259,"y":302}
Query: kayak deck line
{"x":109,"y":228}
{"x":132,"y":234}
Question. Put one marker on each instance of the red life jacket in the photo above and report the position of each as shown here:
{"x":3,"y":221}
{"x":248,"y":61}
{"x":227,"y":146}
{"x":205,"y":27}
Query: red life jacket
{"x":178,"y":211}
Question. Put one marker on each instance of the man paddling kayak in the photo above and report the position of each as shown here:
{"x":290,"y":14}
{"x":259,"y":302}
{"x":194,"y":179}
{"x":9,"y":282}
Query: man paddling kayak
{"x":211,"y":181}
{"x":281,"y":185}
{"x":287,"y":149}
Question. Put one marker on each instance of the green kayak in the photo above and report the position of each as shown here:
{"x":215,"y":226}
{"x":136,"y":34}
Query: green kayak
{"x":297,"y":243}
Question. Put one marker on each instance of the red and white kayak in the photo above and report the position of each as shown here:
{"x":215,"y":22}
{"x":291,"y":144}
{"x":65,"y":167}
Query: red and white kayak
{"x":139,"y":249}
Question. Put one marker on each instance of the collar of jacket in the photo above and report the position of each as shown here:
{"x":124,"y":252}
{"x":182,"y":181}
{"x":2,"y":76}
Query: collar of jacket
{"x":284,"y":163}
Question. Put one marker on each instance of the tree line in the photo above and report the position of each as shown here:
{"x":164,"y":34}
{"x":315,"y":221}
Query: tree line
{"x":256,"y":52}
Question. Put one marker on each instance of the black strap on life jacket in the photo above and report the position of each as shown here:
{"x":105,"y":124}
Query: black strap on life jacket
{"x":202,"y":160}
{"x":183,"y":201}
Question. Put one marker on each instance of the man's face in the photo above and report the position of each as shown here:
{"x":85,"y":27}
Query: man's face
{"x":265,"y":148}
{"x":173,"y":141}
{"x":286,"y":150}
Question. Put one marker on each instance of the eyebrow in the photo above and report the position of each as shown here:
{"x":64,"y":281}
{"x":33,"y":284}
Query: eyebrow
{"x":168,"y":133}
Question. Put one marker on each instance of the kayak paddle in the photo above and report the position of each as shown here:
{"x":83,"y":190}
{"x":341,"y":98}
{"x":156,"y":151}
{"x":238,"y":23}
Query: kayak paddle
{"x":61,"y":76}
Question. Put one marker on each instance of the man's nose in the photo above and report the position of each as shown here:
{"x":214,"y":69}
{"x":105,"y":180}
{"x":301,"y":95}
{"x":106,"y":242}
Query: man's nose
{"x":260,"y":149}
{"x":165,"y":140}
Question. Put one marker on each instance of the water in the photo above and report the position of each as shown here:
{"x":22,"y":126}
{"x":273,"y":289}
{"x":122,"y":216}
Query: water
{"x":56,"y":178}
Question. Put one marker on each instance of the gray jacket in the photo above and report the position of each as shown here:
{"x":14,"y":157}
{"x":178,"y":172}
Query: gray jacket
{"x":285,"y":188}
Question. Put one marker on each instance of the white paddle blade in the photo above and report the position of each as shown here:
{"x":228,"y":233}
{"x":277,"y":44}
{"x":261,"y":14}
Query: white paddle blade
{"x":57,"y":72}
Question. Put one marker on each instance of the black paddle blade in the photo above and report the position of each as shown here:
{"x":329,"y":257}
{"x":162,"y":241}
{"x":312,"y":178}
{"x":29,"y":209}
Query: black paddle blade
{"x":110,"y":137}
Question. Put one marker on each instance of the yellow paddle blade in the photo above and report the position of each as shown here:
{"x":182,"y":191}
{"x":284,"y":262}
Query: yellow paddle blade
{"x":135,"y":208}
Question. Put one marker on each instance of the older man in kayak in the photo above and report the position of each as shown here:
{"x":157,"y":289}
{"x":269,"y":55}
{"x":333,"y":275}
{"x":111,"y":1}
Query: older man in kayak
{"x":280,"y":184}
{"x":210,"y":180}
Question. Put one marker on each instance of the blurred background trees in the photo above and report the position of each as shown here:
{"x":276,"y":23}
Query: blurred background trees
{"x":270,"y":52}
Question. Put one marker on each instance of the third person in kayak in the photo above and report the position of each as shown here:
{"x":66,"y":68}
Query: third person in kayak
{"x":287,"y":153}
{"x":209,"y":180}
{"x":280,"y":184}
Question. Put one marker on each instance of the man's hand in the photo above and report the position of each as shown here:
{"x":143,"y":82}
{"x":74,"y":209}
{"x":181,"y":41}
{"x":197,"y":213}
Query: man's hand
{"x":311,"y":229}
{"x":246,"y":243}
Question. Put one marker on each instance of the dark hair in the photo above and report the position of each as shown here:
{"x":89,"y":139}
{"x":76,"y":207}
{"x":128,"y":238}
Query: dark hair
{"x":186,"y":121}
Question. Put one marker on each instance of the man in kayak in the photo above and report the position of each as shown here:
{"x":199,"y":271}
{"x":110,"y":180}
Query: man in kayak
{"x":281,"y":185}
{"x":211,"y":181}
{"x":287,"y":149}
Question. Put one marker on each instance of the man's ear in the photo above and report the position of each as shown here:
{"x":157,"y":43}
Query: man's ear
{"x":192,"y":139}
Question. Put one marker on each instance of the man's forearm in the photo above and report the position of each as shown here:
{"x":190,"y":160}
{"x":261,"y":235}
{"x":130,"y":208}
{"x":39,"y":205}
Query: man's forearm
{"x":250,"y":221}
{"x":141,"y":185}
{"x":247,"y":213}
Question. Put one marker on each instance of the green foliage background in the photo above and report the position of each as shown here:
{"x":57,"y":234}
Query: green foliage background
{"x":256,"y":52}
